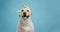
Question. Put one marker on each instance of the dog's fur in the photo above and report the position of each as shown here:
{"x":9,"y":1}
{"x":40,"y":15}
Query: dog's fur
{"x":25,"y":25}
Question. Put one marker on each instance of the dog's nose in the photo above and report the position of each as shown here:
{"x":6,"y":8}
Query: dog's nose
{"x":24,"y":13}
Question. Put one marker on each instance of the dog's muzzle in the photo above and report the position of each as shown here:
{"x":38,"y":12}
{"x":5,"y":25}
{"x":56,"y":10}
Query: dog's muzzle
{"x":24,"y":15}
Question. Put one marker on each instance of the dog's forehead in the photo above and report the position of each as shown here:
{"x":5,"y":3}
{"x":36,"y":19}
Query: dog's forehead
{"x":26,"y":8}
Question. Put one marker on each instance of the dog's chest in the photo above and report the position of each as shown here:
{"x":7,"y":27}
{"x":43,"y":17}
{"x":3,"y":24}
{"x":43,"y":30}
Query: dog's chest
{"x":26,"y":28}
{"x":25,"y":25}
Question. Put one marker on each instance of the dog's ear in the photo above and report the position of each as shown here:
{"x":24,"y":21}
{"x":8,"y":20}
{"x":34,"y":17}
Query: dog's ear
{"x":30,"y":13}
{"x":19,"y":12}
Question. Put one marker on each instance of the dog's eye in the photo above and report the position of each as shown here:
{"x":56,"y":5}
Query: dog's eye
{"x":22,"y":10}
{"x":27,"y":10}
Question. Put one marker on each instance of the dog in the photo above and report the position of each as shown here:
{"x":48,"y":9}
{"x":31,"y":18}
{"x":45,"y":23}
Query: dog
{"x":25,"y":24}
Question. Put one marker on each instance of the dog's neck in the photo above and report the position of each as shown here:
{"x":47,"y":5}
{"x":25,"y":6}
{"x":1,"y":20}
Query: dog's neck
{"x":28,"y":19}
{"x":25,"y":22}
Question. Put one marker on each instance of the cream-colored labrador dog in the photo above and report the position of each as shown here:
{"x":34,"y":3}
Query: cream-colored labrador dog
{"x":25,"y":24}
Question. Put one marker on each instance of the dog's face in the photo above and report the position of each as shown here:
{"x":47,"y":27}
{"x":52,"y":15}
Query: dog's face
{"x":25,"y":12}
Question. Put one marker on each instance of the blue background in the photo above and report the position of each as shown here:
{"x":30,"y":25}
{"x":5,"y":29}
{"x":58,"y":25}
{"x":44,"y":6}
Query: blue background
{"x":45,"y":14}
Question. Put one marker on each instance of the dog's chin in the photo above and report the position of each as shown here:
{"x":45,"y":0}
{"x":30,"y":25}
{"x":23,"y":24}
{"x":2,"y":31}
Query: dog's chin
{"x":25,"y":17}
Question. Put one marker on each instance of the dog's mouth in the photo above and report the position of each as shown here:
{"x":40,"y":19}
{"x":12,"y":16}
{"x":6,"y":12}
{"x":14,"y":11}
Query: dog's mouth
{"x":25,"y":16}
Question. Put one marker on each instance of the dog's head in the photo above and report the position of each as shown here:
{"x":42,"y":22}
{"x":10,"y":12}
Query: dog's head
{"x":25,"y":12}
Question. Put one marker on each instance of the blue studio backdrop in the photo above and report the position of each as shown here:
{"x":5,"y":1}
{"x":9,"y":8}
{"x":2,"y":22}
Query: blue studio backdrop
{"x":45,"y":14}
